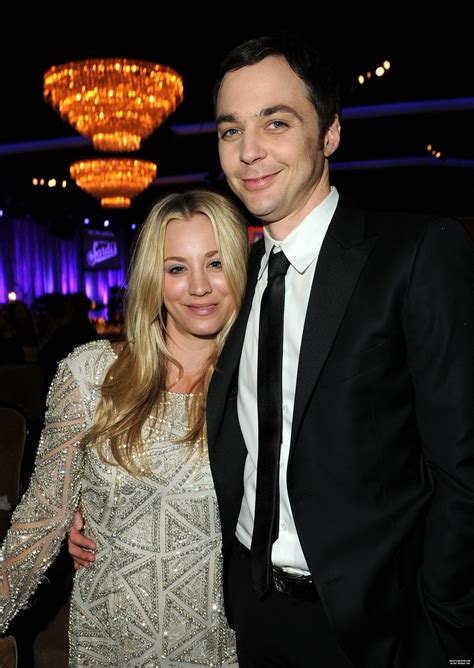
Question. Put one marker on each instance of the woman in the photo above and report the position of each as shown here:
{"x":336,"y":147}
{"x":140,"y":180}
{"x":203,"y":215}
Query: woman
{"x":125,"y":435}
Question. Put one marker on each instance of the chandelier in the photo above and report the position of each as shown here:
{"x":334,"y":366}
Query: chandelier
{"x":113,"y":180}
{"x":116,"y":102}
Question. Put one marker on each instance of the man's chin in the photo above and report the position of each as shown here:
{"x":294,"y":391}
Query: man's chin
{"x":261,"y":206}
{"x":263,"y":210}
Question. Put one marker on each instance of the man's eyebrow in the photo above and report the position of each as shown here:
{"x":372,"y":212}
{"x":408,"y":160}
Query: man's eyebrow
{"x":280,"y":109}
{"x":226,"y":118}
{"x":268,"y":111}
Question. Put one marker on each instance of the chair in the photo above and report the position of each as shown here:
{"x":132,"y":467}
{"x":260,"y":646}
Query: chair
{"x":8,"y":652}
{"x":13,"y":433}
{"x":21,"y":385}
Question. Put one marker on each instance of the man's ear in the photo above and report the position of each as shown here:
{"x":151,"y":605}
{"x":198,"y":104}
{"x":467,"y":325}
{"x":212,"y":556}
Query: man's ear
{"x":332,"y":137}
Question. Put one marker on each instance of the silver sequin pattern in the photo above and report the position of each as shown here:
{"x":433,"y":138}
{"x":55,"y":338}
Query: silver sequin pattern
{"x":153,"y":598}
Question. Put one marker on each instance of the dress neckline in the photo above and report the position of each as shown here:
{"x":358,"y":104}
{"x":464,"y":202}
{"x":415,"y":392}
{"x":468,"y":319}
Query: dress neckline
{"x":179,"y":394}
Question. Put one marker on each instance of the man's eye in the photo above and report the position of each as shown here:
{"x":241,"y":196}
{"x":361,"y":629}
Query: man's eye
{"x":277,"y":125}
{"x":228,"y":134}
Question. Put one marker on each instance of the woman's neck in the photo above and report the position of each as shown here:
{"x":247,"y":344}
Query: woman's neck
{"x":193,"y":356}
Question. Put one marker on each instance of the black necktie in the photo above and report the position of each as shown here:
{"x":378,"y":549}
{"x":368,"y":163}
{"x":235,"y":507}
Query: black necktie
{"x":270,"y":350}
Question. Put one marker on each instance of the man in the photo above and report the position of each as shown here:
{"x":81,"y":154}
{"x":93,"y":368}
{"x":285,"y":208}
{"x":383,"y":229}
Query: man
{"x":373,"y":560}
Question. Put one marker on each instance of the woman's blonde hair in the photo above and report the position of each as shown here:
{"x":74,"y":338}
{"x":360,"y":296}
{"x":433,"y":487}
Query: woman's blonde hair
{"x":134,"y":384}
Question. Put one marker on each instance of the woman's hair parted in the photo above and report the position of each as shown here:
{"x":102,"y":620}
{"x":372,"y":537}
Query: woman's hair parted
{"x":134,"y":385}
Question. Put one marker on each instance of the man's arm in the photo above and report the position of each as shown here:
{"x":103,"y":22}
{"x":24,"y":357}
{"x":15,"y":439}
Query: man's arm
{"x":439,"y":326}
{"x":80,"y":548}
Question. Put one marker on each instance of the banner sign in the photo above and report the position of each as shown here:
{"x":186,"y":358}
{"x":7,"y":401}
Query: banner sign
{"x":100,"y":250}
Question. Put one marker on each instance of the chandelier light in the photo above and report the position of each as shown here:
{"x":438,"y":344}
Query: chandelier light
{"x":116,"y":102}
{"x":115,"y":181}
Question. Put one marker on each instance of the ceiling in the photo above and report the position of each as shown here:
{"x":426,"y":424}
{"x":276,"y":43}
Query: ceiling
{"x":421,"y":70}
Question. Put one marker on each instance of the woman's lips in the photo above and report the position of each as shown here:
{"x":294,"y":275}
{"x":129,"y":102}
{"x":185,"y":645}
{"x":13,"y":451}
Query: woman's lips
{"x":202,"y":309}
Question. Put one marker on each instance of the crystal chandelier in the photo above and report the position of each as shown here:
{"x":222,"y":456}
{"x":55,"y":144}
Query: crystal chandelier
{"x":113,"y":180}
{"x":116,"y":102}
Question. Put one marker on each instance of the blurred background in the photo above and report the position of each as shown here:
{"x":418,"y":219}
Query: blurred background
{"x":407,"y":140}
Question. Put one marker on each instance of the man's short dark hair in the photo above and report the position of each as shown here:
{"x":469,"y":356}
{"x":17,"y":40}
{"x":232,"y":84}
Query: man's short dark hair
{"x":310,"y":64}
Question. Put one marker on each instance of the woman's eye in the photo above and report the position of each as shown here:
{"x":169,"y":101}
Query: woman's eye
{"x":216,"y":264}
{"x":175,"y":270}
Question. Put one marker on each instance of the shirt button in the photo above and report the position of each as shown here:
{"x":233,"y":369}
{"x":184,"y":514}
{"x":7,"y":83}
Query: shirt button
{"x":284,"y":526}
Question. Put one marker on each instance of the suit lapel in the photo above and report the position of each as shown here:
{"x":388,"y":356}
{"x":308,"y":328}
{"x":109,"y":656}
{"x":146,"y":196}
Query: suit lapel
{"x":343,"y":255}
{"x":230,"y":356}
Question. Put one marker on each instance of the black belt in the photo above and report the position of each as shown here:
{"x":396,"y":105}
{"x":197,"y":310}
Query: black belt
{"x":291,"y":584}
{"x":298,"y":586}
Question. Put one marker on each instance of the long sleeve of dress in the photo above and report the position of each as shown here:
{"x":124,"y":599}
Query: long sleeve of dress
{"x":44,"y":514}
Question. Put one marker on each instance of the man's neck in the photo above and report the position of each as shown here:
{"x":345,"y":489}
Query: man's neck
{"x":280,"y":229}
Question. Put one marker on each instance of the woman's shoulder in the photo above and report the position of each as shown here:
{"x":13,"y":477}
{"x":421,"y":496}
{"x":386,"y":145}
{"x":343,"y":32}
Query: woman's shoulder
{"x":84,"y":369}
{"x":90,"y":361}
{"x":93,"y":348}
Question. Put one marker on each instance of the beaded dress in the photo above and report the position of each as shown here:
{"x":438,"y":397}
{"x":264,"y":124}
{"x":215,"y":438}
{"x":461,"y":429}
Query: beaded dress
{"x":154,"y":594}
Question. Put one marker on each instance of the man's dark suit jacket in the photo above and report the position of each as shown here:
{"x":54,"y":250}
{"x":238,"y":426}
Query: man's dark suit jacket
{"x":381,"y":467}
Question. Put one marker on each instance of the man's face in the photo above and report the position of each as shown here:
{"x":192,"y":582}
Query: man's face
{"x":269,"y":144}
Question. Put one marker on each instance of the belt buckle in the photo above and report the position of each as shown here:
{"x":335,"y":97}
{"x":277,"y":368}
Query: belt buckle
{"x":280,"y":584}
{"x":300,"y":587}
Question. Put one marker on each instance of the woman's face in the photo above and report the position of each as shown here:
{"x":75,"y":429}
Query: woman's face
{"x":196,"y":295}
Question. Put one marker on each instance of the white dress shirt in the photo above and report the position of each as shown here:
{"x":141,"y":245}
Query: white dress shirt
{"x":302,"y":248}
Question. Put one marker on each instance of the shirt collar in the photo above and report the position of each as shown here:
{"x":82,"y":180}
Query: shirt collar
{"x":303,"y":244}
